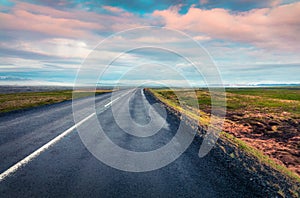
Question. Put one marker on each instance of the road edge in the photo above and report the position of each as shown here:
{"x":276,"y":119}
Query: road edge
{"x":242,"y":163}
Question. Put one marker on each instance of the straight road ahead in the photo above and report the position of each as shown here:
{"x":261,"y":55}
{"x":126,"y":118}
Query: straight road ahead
{"x":67,"y":169}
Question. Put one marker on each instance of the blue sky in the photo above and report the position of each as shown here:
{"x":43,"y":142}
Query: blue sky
{"x":251,"y":42}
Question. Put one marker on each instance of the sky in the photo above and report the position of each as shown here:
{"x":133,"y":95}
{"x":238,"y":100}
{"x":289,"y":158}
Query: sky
{"x":249,"y":42}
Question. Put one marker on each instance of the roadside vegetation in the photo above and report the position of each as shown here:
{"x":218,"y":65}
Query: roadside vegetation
{"x":16,"y":101}
{"x":264,"y":122}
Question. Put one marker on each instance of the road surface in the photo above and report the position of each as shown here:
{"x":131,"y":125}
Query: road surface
{"x":67,"y":169}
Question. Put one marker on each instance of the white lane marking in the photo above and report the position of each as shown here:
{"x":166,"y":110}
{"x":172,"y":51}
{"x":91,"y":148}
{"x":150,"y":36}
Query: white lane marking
{"x":36,"y":153}
{"x":111,"y":102}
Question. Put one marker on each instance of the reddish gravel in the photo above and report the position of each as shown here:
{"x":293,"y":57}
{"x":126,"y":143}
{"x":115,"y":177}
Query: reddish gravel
{"x":278,"y":136}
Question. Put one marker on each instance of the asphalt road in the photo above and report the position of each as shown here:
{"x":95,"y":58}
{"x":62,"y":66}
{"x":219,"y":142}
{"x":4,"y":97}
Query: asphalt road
{"x":68,"y":169}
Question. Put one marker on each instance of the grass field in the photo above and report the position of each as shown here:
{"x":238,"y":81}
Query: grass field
{"x":263,"y":121}
{"x":270,"y":99}
{"x":17,"y":101}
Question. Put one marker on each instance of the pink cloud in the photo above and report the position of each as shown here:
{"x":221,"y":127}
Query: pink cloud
{"x":276,"y":27}
{"x":46,"y":21}
{"x":119,"y":11}
{"x":69,"y":24}
{"x":269,"y":28}
{"x":113,"y":9}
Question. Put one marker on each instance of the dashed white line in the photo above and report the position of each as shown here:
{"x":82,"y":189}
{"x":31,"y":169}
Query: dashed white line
{"x":111,"y":102}
{"x":36,"y":153}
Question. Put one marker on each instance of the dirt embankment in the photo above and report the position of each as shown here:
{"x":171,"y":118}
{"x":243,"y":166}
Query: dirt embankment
{"x":277,"y":135}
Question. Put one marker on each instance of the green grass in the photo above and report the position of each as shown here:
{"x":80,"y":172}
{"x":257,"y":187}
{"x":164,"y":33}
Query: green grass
{"x":17,"y":101}
{"x":276,"y":93}
{"x":169,"y":98}
{"x":270,"y":99}
{"x":243,"y":101}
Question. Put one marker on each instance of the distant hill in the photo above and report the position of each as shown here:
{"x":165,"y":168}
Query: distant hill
{"x":278,"y":85}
